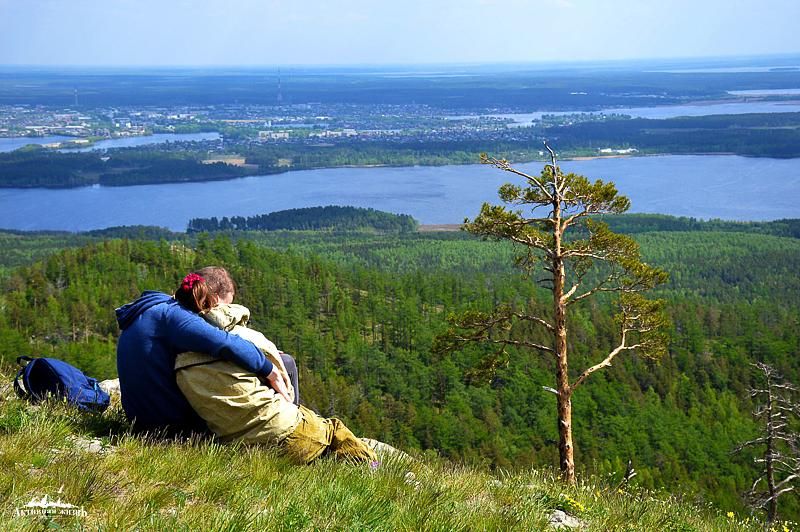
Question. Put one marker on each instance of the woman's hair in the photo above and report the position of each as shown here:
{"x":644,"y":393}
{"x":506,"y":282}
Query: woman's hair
{"x":218,"y":279}
{"x":194,"y":293}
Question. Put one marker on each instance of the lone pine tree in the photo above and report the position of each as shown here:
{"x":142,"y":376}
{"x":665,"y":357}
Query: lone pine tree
{"x":581,"y":258}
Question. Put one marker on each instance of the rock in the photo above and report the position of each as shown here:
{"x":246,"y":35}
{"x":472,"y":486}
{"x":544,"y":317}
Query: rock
{"x":94,"y":446}
{"x":111,"y":387}
{"x":559,"y":519}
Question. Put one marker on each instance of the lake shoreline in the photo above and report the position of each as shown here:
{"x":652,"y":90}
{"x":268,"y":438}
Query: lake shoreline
{"x":288,"y":170}
{"x":702,"y":187}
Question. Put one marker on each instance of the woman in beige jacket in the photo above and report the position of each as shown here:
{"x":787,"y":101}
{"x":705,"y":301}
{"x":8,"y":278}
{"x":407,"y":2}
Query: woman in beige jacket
{"x":237,"y":406}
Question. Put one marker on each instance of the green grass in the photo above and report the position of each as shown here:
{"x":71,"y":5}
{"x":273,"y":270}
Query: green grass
{"x":150,"y":484}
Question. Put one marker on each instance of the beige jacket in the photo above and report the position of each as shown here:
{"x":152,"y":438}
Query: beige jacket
{"x":234,"y":403}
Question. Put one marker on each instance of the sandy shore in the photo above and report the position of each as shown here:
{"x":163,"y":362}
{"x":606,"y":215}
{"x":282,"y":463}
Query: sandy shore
{"x":438,"y":228}
{"x":593,"y":157}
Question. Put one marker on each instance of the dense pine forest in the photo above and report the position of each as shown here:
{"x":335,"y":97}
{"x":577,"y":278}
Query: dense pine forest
{"x":331,"y":217}
{"x":361,"y":313}
{"x":39,"y":167}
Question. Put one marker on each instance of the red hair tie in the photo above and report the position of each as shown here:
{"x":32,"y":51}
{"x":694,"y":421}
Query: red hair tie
{"x":189,"y":280}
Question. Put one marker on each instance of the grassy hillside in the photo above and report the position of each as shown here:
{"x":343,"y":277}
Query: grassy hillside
{"x":127,"y":482}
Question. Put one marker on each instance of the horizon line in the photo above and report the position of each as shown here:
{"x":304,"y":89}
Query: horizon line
{"x":429,"y":64}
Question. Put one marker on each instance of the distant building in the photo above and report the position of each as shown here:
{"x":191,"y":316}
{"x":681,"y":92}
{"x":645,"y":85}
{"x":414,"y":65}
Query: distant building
{"x":273,"y":135}
{"x":621,"y":151}
{"x":39,"y":131}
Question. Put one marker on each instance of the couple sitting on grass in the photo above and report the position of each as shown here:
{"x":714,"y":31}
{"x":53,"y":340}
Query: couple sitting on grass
{"x":188,"y":363}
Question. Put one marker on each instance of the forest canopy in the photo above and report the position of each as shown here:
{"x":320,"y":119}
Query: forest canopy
{"x":331,"y":217}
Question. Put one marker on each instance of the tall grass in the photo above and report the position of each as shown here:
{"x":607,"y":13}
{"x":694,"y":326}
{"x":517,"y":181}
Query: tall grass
{"x":146,"y":483}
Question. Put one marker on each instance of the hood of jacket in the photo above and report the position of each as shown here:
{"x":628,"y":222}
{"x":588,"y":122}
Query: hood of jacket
{"x":226,"y":317}
{"x":126,"y":314}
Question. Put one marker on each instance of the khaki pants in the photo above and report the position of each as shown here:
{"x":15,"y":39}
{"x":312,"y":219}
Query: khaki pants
{"x":316,"y":435}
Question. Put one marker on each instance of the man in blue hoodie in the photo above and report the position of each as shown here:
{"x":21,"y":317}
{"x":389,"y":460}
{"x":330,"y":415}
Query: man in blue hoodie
{"x":155,"y":328}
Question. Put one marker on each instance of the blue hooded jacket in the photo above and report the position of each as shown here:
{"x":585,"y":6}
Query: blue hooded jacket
{"x":155,"y":329}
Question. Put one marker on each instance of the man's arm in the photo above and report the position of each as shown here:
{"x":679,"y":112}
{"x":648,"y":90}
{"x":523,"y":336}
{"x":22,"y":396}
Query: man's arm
{"x":189,"y":332}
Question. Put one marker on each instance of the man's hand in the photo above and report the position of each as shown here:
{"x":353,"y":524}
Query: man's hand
{"x":276,"y":381}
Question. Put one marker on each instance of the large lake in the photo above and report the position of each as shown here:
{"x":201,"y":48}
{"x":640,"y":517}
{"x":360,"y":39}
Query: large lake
{"x":704,"y":186}
{"x":12,"y":143}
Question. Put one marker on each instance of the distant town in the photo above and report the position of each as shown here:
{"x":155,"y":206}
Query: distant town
{"x":301,"y":124}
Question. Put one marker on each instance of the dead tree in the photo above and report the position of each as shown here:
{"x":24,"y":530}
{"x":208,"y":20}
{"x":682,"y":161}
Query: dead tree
{"x":780,"y":462}
{"x":559,"y":235}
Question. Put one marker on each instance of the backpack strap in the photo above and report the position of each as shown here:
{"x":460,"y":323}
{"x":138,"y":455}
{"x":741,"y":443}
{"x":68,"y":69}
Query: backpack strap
{"x":95,"y":388}
{"x":21,"y":393}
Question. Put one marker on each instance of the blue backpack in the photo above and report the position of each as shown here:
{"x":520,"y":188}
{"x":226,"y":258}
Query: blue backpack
{"x":43,"y":377}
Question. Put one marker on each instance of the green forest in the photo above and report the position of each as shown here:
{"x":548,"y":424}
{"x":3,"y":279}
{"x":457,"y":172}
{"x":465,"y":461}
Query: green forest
{"x":331,"y":217}
{"x":40,"y":167}
{"x":361,"y":312}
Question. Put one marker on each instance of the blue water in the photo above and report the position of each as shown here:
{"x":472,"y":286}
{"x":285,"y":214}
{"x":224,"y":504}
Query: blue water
{"x":667,"y":111}
{"x":703,"y":186}
{"x":158,"y":138}
{"x":12,"y":143}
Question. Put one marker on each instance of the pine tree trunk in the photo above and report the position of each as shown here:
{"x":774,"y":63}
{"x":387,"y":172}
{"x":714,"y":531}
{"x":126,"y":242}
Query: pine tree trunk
{"x":565,"y":447}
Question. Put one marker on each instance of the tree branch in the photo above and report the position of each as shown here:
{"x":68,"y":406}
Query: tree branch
{"x":606,"y":362}
{"x":504,"y":165}
{"x":557,"y":189}
{"x":535,"y":319}
{"x":519,"y":343}
{"x":757,"y":441}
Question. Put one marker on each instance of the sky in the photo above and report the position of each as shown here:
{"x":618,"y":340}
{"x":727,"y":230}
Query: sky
{"x":357,"y":32}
